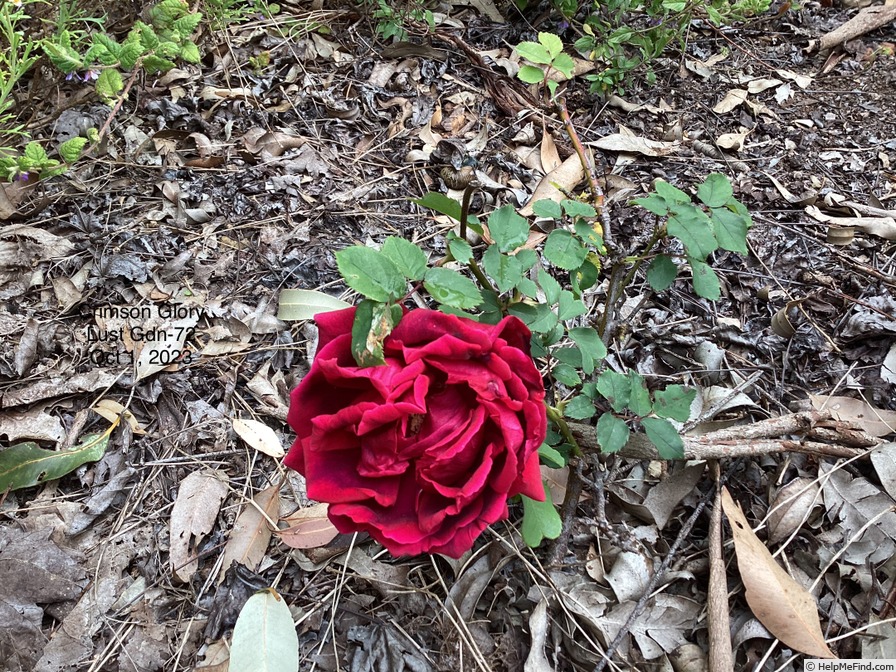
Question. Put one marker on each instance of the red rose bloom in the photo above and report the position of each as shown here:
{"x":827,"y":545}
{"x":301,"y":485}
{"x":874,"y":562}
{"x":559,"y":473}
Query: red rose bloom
{"x":422,"y":452}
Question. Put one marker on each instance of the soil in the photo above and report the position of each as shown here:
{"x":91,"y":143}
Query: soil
{"x":222,"y":184}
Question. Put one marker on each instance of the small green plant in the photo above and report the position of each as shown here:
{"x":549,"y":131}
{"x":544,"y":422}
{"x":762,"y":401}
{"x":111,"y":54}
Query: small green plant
{"x":34,"y":161}
{"x":392,"y":18}
{"x":547,"y":52}
{"x":154,"y":46}
{"x":16,"y":58}
{"x":222,"y":13}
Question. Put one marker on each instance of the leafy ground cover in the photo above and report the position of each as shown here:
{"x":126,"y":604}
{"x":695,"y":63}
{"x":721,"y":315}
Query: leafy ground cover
{"x":147,"y":330}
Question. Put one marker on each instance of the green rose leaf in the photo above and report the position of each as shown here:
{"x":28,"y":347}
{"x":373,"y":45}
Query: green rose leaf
{"x":579,"y":407}
{"x":564,"y":64}
{"x":569,"y":306}
{"x":540,"y":519}
{"x":539,"y":317}
{"x":615,"y":388}
{"x":612,"y":433}
{"x":407,"y":257}
{"x":370,"y":273}
{"x":639,"y":399}
{"x":731,"y":229}
{"x":715,"y":191}
{"x":547,"y":208}
{"x":552,"y":43}
{"x":532,"y":51}
{"x":508,"y":229}
{"x":661,"y":273}
{"x":530,"y":74}
{"x":590,"y":345}
{"x":564,"y":250}
{"x":692,"y":227}
{"x":460,"y":249}
{"x":706,"y":282}
{"x":665,"y":437}
{"x":671,"y":194}
{"x":653,"y":203}
{"x":504,"y":269}
{"x":451,"y":288}
{"x":674,"y":402}
{"x":577,"y":208}
{"x":549,"y":286}
{"x":551,"y":457}
{"x":567,"y":375}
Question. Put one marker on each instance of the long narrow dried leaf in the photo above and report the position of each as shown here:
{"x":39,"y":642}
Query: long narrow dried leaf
{"x":309,"y":527}
{"x":875,"y":421}
{"x":264,"y":637}
{"x":193,"y":516}
{"x":258,"y":435}
{"x":557,"y":184}
{"x":251,"y":531}
{"x":780,"y":603}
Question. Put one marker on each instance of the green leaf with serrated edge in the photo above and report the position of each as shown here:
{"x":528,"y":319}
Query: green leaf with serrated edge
{"x":591,"y":346}
{"x":615,"y":388}
{"x":189,"y":53}
{"x":370,"y":273}
{"x":670,"y":194}
{"x":446,"y":206}
{"x":539,"y":317}
{"x":584,"y":276}
{"x":552,"y":43}
{"x":564,"y":64}
{"x":407,"y":257}
{"x":577,"y":208}
{"x":547,"y":208}
{"x":566,"y":374}
{"x":706,"y":282}
{"x":70,"y":150}
{"x":527,"y":288}
{"x":304,"y":304}
{"x":148,"y":37}
{"x":110,"y":44}
{"x":540,"y":519}
{"x":508,"y":229}
{"x":579,"y":407}
{"x":264,"y":637}
{"x":564,"y":251}
{"x":551,"y":457}
{"x":64,"y":58}
{"x":109,"y":84}
{"x":731,"y":229}
{"x":504,"y":269}
{"x":715,"y":191}
{"x":35,"y":154}
{"x":567,"y":355}
{"x":460,"y":249}
{"x":185,"y":25}
{"x":549,"y":286}
{"x":451,"y":288}
{"x":692,"y":227}
{"x":585,"y":231}
{"x":372,"y":324}
{"x":639,"y":398}
{"x":154,"y":64}
{"x":661,"y":273}
{"x":25,"y":464}
{"x":532,"y":51}
{"x":530,"y":74}
{"x":130,"y":54}
{"x":612,"y":433}
{"x":653,"y":203}
{"x":665,"y":437}
{"x":569,"y":306}
{"x":527,"y":258}
{"x":674,"y":402}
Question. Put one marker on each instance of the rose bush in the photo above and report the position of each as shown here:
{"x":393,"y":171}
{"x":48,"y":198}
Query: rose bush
{"x":423,"y":452}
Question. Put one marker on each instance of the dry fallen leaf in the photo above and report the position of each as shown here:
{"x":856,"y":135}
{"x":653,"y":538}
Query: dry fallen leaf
{"x":875,"y":421}
{"x":193,"y":516}
{"x":884,"y":227}
{"x":780,"y":603}
{"x":791,"y":507}
{"x":252,"y":531}
{"x":632,"y":144}
{"x":309,"y":527}
{"x":731,"y":100}
{"x":259,"y":436}
{"x":566,"y":176}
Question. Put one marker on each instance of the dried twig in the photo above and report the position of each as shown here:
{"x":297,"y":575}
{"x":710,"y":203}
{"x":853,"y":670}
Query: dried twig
{"x":719,"y":622}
